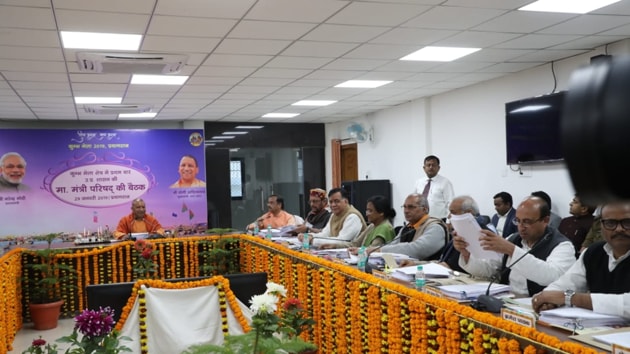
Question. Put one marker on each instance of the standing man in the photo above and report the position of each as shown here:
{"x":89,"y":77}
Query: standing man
{"x":436,"y":188}
{"x":188,"y":169}
{"x":502,"y":220}
{"x":276,"y":217}
{"x":535,"y":256}
{"x":600,"y":279}
{"x":423,"y":238}
{"x":345,"y":224}
{"x":318,"y":217}
{"x":576,"y":226}
{"x":12,"y":172}
{"x":138,"y":222}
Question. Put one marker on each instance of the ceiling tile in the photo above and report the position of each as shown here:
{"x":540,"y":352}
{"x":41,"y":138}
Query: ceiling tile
{"x":26,"y":17}
{"x":270,"y":30}
{"x":108,"y":22}
{"x":251,"y":46}
{"x":454,"y":18}
{"x":375,"y":14}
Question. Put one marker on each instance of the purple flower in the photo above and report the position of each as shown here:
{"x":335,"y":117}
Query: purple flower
{"x":93,"y":323}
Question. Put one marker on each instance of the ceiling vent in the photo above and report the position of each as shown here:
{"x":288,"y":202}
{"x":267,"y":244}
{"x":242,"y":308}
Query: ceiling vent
{"x":131,"y":63}
{"x":116,"y":108}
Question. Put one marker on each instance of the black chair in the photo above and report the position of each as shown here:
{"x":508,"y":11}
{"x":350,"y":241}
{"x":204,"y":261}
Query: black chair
{"x":115,"y":295}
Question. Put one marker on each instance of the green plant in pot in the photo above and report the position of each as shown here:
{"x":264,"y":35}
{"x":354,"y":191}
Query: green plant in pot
{"x":48,"y":280}
{"x":219,"y":257}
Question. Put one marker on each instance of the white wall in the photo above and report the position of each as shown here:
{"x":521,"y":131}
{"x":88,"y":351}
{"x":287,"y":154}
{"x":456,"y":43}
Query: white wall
{"x":465,"y":129}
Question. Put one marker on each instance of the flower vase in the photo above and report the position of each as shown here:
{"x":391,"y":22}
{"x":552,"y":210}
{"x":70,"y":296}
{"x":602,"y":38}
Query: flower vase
{"x":45,"y":316}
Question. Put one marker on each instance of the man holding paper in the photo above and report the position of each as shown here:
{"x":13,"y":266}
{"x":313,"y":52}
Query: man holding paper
{"x":529,"y":260}
{"x":600,"y":279}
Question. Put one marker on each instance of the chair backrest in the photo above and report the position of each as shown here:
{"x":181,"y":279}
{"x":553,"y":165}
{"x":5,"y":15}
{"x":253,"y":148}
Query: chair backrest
{"x":115,"y":295}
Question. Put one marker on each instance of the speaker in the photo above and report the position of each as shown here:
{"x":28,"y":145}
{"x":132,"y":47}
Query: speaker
{"x":360,"y":191}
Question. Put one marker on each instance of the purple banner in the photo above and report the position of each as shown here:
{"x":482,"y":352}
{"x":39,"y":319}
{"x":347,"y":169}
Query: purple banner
{"x":77,"y":181}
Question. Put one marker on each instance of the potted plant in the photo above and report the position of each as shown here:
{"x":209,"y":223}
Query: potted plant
{"x":219,"y":257}
{"x":49,"y":279}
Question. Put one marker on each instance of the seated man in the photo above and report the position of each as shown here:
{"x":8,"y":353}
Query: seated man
{"x":533,"y":258}
{"x":318,"y":217}
{"x":502,"y":219}
{"x":345,"y":224}
{"x":600,"y":279}
{"x":576,"y":226}
{"x":424,"y":236}
{"x":276,"y":217}
{"x":138,"y":222}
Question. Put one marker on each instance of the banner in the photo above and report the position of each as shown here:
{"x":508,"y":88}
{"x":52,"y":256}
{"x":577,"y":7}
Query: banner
{"x":83,"y":181}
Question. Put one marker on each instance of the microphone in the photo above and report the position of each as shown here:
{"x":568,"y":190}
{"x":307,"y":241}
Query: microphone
{"x":491,"y":303}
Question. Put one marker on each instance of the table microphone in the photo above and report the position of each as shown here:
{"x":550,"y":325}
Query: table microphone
{"x":494,"y":304}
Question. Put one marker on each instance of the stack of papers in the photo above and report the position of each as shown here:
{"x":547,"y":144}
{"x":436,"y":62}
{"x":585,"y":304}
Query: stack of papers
{"x":575,"y":317}
{"x":431,"y":271}
{"x":377,"y":261}
{"x":472,"y":291}
{"x":619,"y":338}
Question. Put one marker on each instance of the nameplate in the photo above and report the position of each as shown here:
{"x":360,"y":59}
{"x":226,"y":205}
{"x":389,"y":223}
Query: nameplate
{"x":433,"y":291}
{"x":620,"y":349}
{"x":518,"y":317}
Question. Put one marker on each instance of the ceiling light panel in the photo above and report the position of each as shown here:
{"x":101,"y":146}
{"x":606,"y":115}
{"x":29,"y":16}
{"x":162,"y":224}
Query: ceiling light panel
{"x":158,"y":79}
{"x":573,"y":7}
{"x":103,"y":41}
{"x":439,"y":53}
{"x":363,"y":83}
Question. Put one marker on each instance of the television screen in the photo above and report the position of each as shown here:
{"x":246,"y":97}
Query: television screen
{"x":532,"y":128}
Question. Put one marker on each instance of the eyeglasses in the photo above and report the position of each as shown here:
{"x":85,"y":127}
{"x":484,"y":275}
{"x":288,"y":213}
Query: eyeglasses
{"x":611,"y":224}
{"x":525,"y":222}
{"x":410,"y":206}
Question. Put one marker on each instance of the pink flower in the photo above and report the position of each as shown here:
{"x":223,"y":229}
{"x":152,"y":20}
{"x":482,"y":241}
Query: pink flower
{"x":39,"y":342}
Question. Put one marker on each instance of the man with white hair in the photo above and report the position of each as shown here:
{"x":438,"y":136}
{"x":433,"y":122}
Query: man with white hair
{"x":12,"y":172}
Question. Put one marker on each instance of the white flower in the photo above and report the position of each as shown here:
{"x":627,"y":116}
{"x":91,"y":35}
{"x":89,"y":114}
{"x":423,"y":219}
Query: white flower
{"x":276,"y":289}
{"x":265,"y":303}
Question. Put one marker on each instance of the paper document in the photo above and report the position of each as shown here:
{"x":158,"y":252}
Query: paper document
{"x":431,"y":270}
{"x":568,"y":316}
{"x":620,"y":338}
{"x":472,"y":291}
{"x":468,"y":228}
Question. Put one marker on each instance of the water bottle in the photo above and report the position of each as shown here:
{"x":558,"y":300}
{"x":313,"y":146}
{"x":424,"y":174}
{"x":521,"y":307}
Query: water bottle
{"x":363,"y":258}
{"x":420,"y":278}
{"x":306,"y":242}
{"x":269,"y":233}
{"x":256,"y":230}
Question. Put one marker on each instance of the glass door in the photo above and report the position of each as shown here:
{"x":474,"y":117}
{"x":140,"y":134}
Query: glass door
{"x":257,"y":173}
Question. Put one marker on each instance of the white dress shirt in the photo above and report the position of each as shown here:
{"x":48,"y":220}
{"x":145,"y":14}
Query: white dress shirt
{"x":349,"y":230}
{"x":575,"y":278}
{"x":543,"y":272}
{"x":440,"y":195}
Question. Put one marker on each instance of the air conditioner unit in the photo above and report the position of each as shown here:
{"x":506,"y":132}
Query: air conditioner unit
{"x":116,"y":108}
{"x":131,"y":63}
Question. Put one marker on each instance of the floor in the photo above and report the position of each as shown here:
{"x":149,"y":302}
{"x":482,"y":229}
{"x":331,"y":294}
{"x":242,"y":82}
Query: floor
{"x":27,"y":334}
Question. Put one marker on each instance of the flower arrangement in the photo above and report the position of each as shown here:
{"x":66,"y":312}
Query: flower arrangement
{"x":98,"y":336}
{"x":271,"y":331}
{"x":144,"y":267}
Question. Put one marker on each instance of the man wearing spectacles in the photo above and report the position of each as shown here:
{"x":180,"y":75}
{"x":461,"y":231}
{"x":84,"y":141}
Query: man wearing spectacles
{"x":12,"y":172}
{"x":600,"y":279}
{"x":532,"y":258}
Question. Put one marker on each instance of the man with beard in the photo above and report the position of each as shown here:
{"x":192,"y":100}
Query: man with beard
{"x":318,"y":217}
{"x":600,"y":279}
{"x":12,"y":172}
{"x":138,"y":222}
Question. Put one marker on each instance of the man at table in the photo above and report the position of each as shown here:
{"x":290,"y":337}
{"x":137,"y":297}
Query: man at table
{"x":600,"y":279}
{"x":423,"y":238}
{"x":276,"y":217}
{"x":533,"y":257}
{"x":319,"y":215}
{"x":345,"y":224}
{"x":138,"y":222}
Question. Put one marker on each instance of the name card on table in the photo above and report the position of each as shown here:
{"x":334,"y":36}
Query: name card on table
{"x":433,"y":291}
{"x":518,"y":317}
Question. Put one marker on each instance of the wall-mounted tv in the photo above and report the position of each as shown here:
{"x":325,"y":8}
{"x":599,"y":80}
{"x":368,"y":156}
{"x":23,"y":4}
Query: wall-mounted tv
{"x":532,"y":127}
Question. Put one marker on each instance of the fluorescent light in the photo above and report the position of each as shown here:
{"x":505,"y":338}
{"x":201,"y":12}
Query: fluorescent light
{"x":280,"y":115}
{"x":138,"y":115}
{"x":572,"y":7}
{"x":363,"y":83}
{"x":222,"y":137}
{"x":439,"y":53}
{"x":92,"y":40}
{"x":214,"y":141}
{"x":97,"y":100}
{"x":249,"y":126}
{"x":234,"y":133}
{"x":531,"y":108}
{"x":313,"y":103}
{"x":158,"y":79}
{"x":210,"y":144}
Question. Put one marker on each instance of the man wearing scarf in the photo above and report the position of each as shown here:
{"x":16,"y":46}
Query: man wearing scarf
{"x":319,"y":215}
{"x":423,"y":237}
{"x":344,"y":225}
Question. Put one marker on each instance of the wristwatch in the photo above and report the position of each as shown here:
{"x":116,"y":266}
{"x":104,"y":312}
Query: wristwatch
{"x":568,"y":295}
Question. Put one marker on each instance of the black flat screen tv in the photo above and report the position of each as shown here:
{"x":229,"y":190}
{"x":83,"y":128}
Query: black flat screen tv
{"x":532,"y":127}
